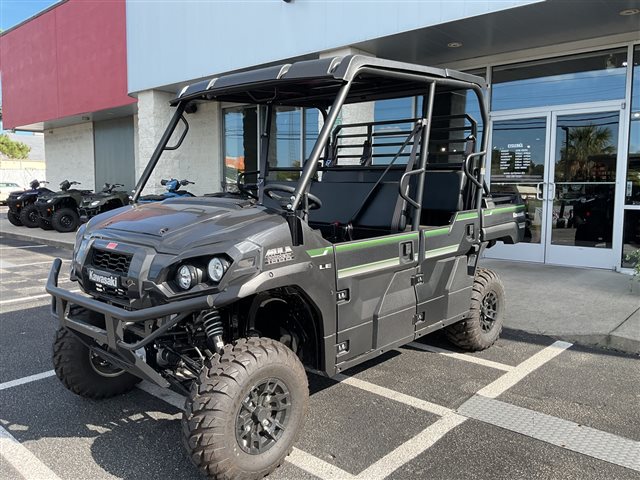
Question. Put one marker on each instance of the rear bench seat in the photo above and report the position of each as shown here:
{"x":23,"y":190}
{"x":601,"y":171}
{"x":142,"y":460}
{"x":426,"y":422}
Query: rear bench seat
{"x":342,"y":193}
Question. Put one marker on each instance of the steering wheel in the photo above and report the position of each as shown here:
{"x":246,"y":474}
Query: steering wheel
{"x":314,"y":202}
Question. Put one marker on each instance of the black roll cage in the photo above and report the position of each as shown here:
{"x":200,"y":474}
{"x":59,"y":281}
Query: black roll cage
{"x":361,"y":68}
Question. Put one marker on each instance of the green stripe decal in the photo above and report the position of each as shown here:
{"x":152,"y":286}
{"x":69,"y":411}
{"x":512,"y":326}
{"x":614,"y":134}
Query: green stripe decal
{"x":348,"y":247}
{"x":319,"y":252}
{"x":466,"y":216}
{"x":441,"y":251}
{"x":437,"y":232}
{"x":513,"y":208}
{"x":368,"y":267}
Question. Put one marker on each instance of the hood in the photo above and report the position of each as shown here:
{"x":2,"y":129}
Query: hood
{"x":188,"y":221}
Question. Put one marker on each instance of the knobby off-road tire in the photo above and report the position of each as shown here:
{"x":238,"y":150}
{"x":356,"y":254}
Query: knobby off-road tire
{"x":29,"y":216}
{"x":14,"y":219}
{"x":78,"y":369}
{"x":65,"y":220}
{"x":482,"y":326}
{"x":256,"y":384}
{"x":44,"y":224}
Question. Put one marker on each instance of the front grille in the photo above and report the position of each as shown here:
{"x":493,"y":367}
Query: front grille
{"x":112,"y":261}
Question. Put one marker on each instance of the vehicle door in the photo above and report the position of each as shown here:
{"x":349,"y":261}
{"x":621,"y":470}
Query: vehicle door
{"x":447,"y":231}
{"x":376,"y":302}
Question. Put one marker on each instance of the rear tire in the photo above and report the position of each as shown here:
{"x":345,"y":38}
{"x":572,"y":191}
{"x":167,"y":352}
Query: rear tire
{"x":14,"y":219}
{"x":245,"y":410}
{"x":44,"y":224}
{"x":84,"y":373}
{"x":29,"y":216}
{"x":483,"y":324}
{"x":65,"y":220}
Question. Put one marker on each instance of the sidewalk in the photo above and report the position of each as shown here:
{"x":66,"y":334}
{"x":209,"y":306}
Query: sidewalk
{"x":580,"y":305}
{"x":35,"y":235}
{"x":587,"y":306}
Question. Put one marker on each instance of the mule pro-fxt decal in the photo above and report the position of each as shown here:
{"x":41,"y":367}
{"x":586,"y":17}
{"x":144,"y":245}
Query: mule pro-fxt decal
{"x":278,"y":255}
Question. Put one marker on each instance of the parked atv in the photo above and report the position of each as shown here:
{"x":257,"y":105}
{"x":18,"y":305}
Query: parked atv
{"x":173,"y":190}
{"x":227,"y":299}
{"x":60,"y":210}
{"x":107,"y":199}
{"x":22,"y":210}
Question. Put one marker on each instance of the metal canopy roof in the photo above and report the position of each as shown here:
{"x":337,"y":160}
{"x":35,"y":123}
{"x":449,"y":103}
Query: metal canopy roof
{"x":316,"y":82}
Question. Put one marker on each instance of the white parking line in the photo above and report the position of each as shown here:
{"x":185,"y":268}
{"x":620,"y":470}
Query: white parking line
{"x":462,"y":356}
{"x":29,"y":379}
{"x":393,"y":395}
{"x":412,"y":448}
{"x":26,"y":264}
{"x":509,"y":379}
{"x":23,"y":247}
{"x":429,"y":436}
{"x":308,"y":462}
{"x":316,"y":466}
{"x":32,"y":297}
{"x":22,"y":460}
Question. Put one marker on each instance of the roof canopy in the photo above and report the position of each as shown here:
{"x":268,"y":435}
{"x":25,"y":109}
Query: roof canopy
{"x":315,"y":83}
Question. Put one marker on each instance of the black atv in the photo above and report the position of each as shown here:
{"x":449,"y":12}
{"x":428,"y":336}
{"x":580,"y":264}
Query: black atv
{"x":107,"y":199}
{"x":22,"y":210}
{"x":228,"y":298}
{"x":60,"y":210}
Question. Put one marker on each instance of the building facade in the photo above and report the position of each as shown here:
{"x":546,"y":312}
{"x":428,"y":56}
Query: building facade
{"x":563,"y":96}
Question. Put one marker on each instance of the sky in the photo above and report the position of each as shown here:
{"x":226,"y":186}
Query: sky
{"x":13,"y":12}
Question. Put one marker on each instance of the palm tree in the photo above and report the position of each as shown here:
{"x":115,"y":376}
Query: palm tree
{"x":582,"y":144}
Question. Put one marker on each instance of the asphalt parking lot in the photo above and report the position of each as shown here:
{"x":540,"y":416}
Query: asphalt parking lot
{"x":529,"y":407}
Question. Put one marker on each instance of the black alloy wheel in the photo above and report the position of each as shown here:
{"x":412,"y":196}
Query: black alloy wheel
{"x":482,"y":325}
{"x":245,"y":410}
{"x":263,"y":416}
{"x":489,"y":311}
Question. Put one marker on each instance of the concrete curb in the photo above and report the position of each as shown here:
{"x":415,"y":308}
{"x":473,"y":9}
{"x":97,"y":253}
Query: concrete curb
{"x":604,"y":341}
{"x":38,"y":240}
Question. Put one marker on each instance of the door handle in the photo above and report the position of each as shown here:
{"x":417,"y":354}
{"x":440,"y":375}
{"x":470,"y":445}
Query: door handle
{"x":552,"y":191}
{"x":406,"y":251}
{"x":539,"y":191}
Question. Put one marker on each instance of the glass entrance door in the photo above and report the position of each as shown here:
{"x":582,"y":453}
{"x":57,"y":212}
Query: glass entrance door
{"x":581,"y":188}
{"x":519,"y":149}
{"x":562,"y":165}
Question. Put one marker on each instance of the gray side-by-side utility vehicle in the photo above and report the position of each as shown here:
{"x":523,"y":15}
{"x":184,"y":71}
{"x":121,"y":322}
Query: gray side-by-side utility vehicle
{"x":367,"y":244}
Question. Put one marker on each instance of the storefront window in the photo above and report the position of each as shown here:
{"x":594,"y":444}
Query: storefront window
{"x":632,"y":186}
{"x":285,"y":145}
{"x":312,"y":125}
{"x":240,"y":143}
{"x":580,"y":78}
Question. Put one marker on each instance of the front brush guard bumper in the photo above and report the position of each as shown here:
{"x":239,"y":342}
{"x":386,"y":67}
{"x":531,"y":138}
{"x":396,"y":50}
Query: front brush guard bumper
{"x":109,"y":342}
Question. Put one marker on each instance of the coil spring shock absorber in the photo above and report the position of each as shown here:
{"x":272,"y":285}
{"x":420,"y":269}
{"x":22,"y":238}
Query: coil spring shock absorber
{"x":213,"y":328}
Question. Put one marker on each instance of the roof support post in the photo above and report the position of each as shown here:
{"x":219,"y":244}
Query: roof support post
{"x":162,"y":145}
{"x":265,"y":137}
{"x":427,"y":113}
{"x":311,"y":166}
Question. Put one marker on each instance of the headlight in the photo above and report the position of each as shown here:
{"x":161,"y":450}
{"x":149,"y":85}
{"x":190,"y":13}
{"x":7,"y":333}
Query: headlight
{"x":50,"y":200}
{"x":186,"y":277}
{"x":216,"y":268}
{"x":95,"y":202}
